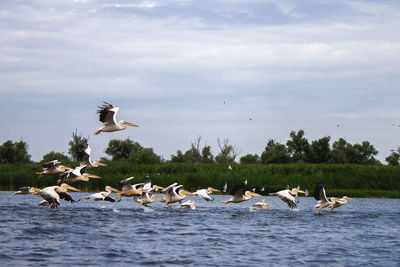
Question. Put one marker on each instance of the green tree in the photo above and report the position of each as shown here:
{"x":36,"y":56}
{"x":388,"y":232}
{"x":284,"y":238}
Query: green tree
{"x":394,"y":158}
{"x":344,"y":152}
{"x":14,"y":152}
{"x":228,"y":153}
{"x":178,"y":158}
{"x":298,"y":147}
{"x":144,"y":156}
{"x":367,"y":153}
{"x":121,"y":149}
{"x":275,"y":152}
{"x":250,"y":159}
{"x":75,"y":144}
{"x":320,"y":151}
{"x":206,"y":154}
{"x":55,"y":155}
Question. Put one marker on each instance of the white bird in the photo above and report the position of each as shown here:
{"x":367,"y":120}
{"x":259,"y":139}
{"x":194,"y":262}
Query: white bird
{"x":191,"y":205}
{"x":238,"y":195}
{"x":53,"y":167}
{"x":173,"y":193}
{"x":53,"y":194}
{"x":263,"y":205}
{"x":337,"y":202}
{"x":204,"y":193}
{"x":83,"y":155}
{"x":104,"y":195}
{"x":230,"y":167}
{"x":320,"y":196}
{"x":78,"y":174}
{"x":225,"y":187}
{"x":129,"y":190}
{"x":245,"y":182}
{"x":288,"y":196}
{"x":147,"y":193}
{"x":107,"y":115}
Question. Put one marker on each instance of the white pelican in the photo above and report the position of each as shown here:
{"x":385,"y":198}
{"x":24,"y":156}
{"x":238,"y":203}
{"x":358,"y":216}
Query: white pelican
{"x":83,"y":155}
{"x":263,"y":205}
{"x":288,"y":196}
{"x":147,"y":197}
{"x":173,"y":193}
{"x":337,"y":202}
{"x":129,"y":190}
{"x":104,"y":195}
{"x":225,"y":187}
{"x":189,"y":205}
{"x":320,"y":196}
{"x":53,"y":194}
{"x":26,"y":190}
{"x":76,"y":175}
{"x":107,"y":114}
{"x":204,"y":193}
{"x":238,"y":196}
{"x":53,"y":167}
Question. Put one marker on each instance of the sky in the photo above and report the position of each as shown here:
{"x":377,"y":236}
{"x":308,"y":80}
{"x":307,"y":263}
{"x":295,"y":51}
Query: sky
{"x":248,"y":71}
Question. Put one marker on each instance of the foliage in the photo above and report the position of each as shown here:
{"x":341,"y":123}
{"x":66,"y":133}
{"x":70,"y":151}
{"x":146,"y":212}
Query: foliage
{"x":14,"y":152}
{"x":298,"y":146}
{"x":74,"y":145}
{"x":250,"y":159}
{"x":394,"y":158}
{"x":55,"y":155}
{"x":121,"y":149}
{"x":144,"y":156}
{"x":275,"y":153}
{"x":228,"y":153}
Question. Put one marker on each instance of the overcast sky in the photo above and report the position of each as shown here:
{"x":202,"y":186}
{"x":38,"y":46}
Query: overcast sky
{"x":248,"y":71}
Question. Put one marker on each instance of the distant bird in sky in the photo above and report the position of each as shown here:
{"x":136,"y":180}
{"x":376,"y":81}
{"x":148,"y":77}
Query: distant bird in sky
{"x":107,"y":115}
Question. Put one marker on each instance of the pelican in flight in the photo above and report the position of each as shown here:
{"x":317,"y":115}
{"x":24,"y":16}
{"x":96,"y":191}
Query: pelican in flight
{"x":107,"y":115}
{"x":76,"y":175}
{"x":263,"y":205}
{"x":288,"y":196}
{"x":83,"y":155}
{"x":173,"y":193}
{"x":129,"y":190}
{"x":147,"y":194}
{"x":26,"y":190}
{"x":204,"y":193}
{"x":53,"y":194}
{"x":337,"y":202}
{"x":104,"y":195}
{"x":238,"y":196}
{"x":320,"y":196}
{"x":188,"y":205}
{"x":53,"y":167}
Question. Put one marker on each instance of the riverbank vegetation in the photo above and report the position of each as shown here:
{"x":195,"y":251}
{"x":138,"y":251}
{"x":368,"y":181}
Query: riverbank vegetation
{"x":345,"y":169}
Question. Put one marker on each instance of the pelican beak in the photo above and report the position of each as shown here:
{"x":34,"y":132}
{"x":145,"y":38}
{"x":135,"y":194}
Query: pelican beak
{"x":300,"y":191}
{"x":255,"y":195}
{"x":129,"y":124}
{"x":114,"y":190}
{"x":215,"y":190}
{"x":350,"y":198}
{"x":101,"y":164}
{"x":187,"y":193}
{"x":66,"y":168}
{"x":158,"y":187}
{"x":71,"y":188}
{"x":88,"y":175}
{"x":34,"y":189}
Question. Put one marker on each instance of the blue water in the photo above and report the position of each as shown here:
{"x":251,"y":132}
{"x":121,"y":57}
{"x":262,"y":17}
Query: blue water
{"x":364,"y":232}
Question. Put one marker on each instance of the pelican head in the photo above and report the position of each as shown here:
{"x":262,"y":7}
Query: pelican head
{"x":128,"y":124}
{"x":295,"y":191}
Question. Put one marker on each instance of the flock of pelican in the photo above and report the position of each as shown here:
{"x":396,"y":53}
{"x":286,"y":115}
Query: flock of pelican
{"x":143,"y":193}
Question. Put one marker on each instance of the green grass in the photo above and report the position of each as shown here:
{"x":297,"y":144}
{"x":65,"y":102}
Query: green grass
{"x":339,"y":179}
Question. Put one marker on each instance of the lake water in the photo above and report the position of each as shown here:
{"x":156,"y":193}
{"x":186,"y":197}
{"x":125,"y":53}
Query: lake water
{"x":363,"y":232}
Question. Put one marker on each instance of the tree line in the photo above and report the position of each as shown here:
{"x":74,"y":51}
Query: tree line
{"x":296,"y":150}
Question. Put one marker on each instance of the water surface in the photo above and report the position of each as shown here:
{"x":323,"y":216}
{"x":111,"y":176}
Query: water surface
{"x":363,"y":232}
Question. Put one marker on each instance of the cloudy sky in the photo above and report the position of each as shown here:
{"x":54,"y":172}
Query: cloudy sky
{"x":248,"y":71}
